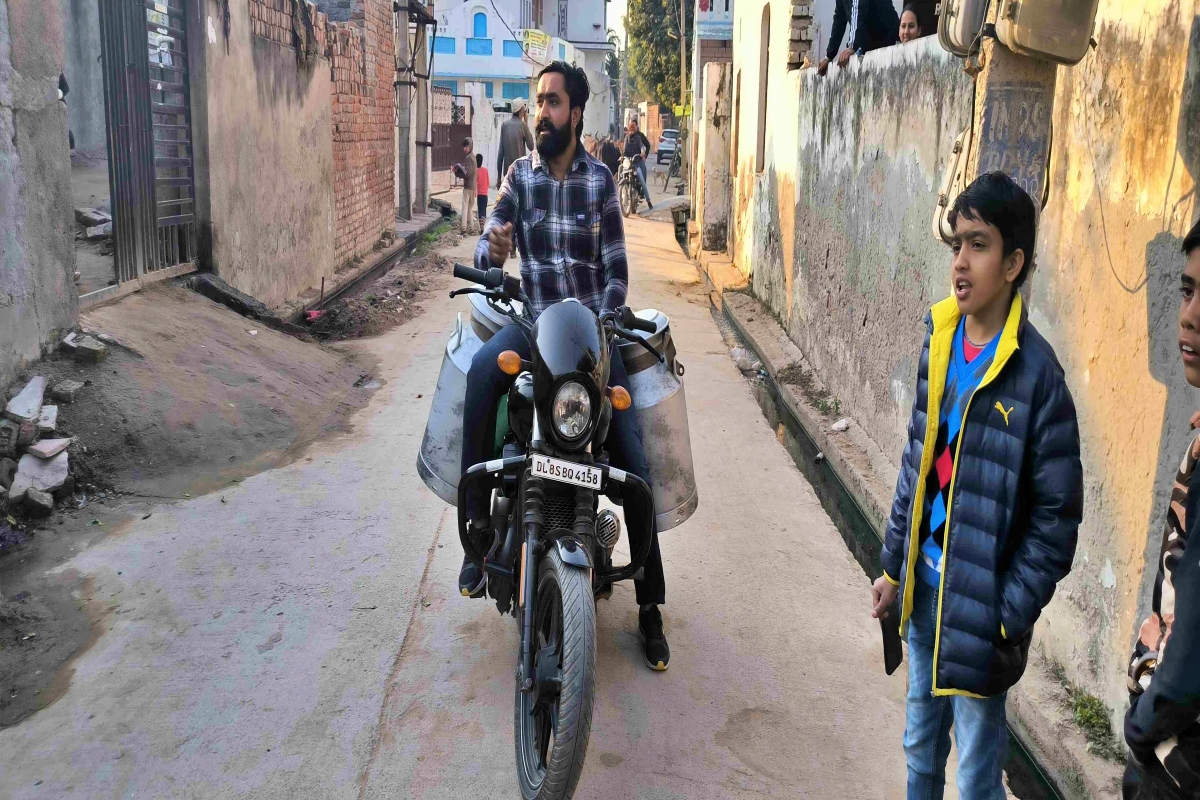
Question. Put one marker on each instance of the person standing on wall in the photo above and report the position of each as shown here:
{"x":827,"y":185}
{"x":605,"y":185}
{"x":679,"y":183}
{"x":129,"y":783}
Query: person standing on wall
{"x":469,"y":204}
{"x":910,"y":25}
{"x":482,"y":185}
{"x":873,"y":24}
{"x":515,"y":139}
{"x":1162,"y":726}
{"x":988,"y":502}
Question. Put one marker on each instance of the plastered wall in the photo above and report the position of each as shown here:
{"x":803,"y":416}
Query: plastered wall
{"x":834,"y":229}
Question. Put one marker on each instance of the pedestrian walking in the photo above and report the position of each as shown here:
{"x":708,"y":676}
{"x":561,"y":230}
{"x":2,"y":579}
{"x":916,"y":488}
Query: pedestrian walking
{"x":1162,"y":729}
{"x":469,"y":204}
{"x":988,"y":502}
{"x":515,"y":139}
{"x":482,"y":186}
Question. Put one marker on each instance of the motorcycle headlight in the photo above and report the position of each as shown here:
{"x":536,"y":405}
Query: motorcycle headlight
{"x":572,"y":410}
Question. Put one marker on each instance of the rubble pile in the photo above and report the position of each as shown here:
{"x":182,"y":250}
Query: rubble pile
{"x":34,"y":462}
{"x":95,"y":226}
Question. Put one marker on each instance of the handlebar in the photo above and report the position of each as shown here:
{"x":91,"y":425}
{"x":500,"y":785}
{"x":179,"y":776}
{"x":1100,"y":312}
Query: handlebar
{"x":634,"y":322}
{"x":488,"y":279}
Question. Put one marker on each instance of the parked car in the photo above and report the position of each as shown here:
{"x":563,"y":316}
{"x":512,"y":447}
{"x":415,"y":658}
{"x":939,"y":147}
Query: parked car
{"x":667,"y":142}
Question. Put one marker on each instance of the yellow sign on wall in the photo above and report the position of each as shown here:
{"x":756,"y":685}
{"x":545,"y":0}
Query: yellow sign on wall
{"x":683,"y":111}
{"x":537,"y":44}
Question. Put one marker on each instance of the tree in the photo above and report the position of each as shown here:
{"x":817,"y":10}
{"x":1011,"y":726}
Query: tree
{"x":652,"y":49}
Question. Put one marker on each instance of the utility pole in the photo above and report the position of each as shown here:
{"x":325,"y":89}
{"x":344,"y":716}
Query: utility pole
{"x":683,"y":54}
{"x":404,"y":91}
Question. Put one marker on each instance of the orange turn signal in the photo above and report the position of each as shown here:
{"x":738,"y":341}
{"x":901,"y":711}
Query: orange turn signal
{"x":620,"y":398}
{"x":509,"y":362}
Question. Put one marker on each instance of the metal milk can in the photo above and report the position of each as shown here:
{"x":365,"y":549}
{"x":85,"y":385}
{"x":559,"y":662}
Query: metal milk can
{"x":658,"y":399}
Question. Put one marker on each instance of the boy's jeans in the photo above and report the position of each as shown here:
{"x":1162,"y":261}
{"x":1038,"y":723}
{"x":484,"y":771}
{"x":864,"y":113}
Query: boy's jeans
{"x":979,"y":725}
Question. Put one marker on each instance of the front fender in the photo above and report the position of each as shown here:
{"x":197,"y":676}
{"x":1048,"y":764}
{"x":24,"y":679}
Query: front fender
{"x":572,"y":552}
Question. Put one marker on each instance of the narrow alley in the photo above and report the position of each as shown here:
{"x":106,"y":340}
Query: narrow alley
{"x":300,"y":634}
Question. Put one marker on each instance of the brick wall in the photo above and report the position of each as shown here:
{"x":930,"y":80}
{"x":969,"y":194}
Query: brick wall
{"x":361,"y":56}
{"x":272,"y":20}
{"x":716,"y":51}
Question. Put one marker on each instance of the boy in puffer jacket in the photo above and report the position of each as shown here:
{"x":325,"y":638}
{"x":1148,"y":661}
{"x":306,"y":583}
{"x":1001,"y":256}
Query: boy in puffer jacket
{"x":988,"y":501}
{"x":1162,"y":726}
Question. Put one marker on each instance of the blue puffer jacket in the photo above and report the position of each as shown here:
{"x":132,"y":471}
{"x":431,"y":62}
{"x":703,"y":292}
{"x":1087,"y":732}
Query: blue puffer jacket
{"x":1016,"y":500}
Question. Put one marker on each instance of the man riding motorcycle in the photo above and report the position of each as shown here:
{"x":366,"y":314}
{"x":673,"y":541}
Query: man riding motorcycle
{"x":637,"y":147}
{"x":561,"y":207}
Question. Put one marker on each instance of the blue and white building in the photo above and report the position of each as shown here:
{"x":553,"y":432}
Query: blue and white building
{"x":483,"y":41}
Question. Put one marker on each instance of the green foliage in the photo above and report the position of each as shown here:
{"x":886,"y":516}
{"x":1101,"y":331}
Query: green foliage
{"x":1092,"y":717}
{"x":652,"y":56}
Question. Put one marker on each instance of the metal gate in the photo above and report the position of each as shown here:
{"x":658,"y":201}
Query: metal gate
{"x":453,"y":115}
{"x":146,"y":105}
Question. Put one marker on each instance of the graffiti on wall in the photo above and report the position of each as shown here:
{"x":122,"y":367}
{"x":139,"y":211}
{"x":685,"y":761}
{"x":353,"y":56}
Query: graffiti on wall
{"x":1016,"y":134}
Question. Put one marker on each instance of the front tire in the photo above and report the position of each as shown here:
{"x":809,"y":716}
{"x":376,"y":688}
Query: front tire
{"x":629,"y":199}
{"x":552,"y":727}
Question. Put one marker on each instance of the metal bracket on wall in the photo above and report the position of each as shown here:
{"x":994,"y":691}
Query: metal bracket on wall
{"x":953,"y":182}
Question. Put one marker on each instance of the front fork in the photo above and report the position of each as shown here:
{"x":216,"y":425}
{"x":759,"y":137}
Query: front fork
{"x":534,"y":497}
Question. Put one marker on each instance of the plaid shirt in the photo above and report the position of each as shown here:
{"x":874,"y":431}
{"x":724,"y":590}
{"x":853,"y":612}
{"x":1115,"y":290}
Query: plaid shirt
{"x":569,"y":234}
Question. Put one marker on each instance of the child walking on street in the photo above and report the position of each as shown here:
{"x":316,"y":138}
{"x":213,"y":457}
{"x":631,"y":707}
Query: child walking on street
{"x":482,"y":184}
{"x":988,"y":502}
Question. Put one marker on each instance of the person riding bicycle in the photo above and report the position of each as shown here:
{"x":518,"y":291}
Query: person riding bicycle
{"x":559,"y":205}
{"x":637,"y":147}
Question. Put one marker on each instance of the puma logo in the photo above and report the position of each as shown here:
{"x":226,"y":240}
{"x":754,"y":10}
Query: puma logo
{"x":1000,"y":408}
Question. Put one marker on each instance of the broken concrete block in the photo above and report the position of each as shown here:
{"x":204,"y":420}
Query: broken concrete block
{"x":48,"y":475}
{"x":38,"y":502}
{"x":68,"y":342}
{"x":91,"y":216}
{"x":100,"y":231}
{"x":28,"y":432}
{"x":10,"y":432}
{"x":48,"y":419}
{"x":8,"y":470}
{"x":90,"y":350}
{"x":66,"y":391}
{"x":48,"y":448}
{"x":28,"y":403}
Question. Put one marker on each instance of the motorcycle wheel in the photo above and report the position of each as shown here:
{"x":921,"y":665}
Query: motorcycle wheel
{"x":553,"y":722}
{"x":628,"y":200}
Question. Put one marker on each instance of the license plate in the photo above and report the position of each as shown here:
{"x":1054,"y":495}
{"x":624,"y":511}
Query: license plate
{"x":566,"y":472}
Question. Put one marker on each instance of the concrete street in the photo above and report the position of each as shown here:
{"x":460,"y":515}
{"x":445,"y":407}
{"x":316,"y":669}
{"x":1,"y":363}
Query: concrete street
{"x":300,"y":634}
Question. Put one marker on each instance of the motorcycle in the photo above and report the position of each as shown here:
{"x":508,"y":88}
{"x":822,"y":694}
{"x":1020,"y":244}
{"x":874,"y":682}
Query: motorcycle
{"x":548,"y":554}
{"x":629,"y":185}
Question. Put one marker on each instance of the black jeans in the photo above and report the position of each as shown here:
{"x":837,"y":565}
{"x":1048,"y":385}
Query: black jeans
{"x":1139,"y":785}
{"x":486,"y":384}
{"x":482,"y":201}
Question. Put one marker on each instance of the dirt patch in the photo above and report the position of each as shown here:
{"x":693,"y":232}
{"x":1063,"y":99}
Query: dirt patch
{"x":194,"y":398}
{"x":391,"y":300}
{"x":198,"y":395}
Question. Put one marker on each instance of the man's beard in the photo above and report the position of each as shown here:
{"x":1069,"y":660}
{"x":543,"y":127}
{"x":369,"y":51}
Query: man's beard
{"x":552,"y":141}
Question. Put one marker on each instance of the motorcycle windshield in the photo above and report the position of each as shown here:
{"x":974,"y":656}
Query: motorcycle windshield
{"x":567,"y":339}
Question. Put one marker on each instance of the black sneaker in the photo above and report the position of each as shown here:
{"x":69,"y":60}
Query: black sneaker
{"x":471,"y":580}
{"x":650,"y":626}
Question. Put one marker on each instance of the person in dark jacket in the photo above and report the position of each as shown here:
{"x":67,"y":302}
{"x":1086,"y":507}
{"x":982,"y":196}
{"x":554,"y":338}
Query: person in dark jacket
{"x":873,"y":24}
{"x":1162,"y":726}
{"x":610,"y":154}
{"x":988,"y":502}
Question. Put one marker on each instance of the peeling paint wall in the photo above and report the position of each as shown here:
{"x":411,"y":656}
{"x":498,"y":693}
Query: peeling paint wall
{"x":835,"y":234}
{"x":264,"y":157}
{"x":37,"y":225}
